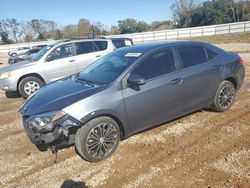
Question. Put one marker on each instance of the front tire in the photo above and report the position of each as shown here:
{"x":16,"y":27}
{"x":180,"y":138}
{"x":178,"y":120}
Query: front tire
{"x":13,"y":54}
{"x":97,"y":139}
{"x":29,"y":85}
{"x":224,"y":96}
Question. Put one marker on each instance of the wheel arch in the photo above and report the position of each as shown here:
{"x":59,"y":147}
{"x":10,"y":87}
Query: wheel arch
{"x":29,"y":75}
{"x":233,"y":80}
{"x":115,"y":118}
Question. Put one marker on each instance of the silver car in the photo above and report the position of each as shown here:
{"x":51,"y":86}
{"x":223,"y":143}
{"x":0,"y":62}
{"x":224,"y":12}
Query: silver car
{"x":51,"y":63}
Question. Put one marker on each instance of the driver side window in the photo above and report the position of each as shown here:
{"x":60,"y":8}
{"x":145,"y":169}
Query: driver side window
{"x":61,"y":52}
{"x":158,"y":64}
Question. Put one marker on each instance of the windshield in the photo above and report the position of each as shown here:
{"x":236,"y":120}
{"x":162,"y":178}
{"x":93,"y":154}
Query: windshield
{"x":108,"y":68}
{"x":41,"y":53}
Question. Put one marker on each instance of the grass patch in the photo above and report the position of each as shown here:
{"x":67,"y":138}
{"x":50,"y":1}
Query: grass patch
{"x":224,"y":39}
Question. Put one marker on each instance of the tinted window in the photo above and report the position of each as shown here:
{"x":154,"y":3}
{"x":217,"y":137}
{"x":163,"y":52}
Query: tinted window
{"x":118,"y":43}
{"x":192,"y":55}
{"x":61,"y":52}
{"x":34,"y":50}
{"x":211,"y":54}
{"x":84,"y":47}
{"x":156,"y":65}
{"x":41,"y":53}
{"x":101,"y":45}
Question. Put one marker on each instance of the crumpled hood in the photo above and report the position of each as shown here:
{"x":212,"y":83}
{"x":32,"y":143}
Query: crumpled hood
{"x":16,"y":66}
{"x":58,"y":95}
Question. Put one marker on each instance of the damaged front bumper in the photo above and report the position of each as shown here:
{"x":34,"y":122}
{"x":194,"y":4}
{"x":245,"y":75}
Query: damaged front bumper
{"x":59,"y":133}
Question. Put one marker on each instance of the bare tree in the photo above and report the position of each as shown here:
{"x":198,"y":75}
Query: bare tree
{"x":84,"y":27}
{"x":114,"y":30}
{"x":28,"y":34}
{"x":182,"y":10}
{"x":13,"y":26}
{"x":70,"y":31}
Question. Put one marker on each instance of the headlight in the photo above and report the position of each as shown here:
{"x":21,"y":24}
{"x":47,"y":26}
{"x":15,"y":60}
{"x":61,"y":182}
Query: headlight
{"x":44,"y":121}
{"x":5,"y":75}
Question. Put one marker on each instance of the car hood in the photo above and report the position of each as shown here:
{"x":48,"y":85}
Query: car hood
{"x":58,"y":95}
{"x":16,"y":66}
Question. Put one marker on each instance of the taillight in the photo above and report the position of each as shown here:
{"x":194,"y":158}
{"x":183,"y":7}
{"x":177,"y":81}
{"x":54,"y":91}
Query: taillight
{"x":240,"y":61}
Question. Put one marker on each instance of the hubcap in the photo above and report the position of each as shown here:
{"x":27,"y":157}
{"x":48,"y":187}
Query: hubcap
{"x":101,"y":140}
{"x":226,"y":96}
{"x":31,"y":87}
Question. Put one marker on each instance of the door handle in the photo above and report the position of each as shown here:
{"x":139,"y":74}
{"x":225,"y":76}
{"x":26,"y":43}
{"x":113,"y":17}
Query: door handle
{"x":217,"y":67}
{"x":176,"y":81}
{"x":98,"y":55}
{"x":72,"y":60}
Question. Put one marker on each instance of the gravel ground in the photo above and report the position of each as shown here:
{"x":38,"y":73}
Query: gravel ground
{"x":203,"y":149}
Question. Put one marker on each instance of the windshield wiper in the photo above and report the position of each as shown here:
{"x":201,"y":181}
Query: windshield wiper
{"x":85,"y":80}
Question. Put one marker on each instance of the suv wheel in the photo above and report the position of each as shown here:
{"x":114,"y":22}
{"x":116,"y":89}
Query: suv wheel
{"x":29,"y":85}
{"x":97,"y":139}
{"x":224,"y":96}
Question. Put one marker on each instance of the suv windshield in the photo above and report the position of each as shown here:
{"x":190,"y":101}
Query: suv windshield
{"x":41,"y":53}
{"x":108,"y":68}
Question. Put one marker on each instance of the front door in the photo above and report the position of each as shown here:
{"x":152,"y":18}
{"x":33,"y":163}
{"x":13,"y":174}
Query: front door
{"x":60,"y":62}
{"x":160,"y":98}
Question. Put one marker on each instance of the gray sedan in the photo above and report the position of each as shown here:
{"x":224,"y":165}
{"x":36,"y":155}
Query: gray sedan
{"x":130,"y":90}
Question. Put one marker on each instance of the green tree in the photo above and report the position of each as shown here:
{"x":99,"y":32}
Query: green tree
{"x":132,"y":26}
{"x":210,"y":12}
{"x":5,"y":38}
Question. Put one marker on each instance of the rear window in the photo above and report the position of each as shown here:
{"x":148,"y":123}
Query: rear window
{"x":84,"y":47}
{"x":192,"y":55}
{"x":211,"y":54}
{"x":118,"y":43}
{"x":128,"y":42}
{"x":101,"y":45}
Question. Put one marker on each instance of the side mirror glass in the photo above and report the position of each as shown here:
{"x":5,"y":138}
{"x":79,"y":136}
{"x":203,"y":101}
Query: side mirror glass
{"x":49,"y":58}
{"x":135,"y":80}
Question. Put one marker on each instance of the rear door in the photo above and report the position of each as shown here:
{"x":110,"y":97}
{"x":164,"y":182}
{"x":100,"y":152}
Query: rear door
{"x":202,"y":74}
{"x":161,"y":97}
{"x":60,"y":62}
{"x":86,"y":53}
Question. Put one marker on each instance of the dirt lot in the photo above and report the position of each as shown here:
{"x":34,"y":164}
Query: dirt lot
{"x":204,"y":149}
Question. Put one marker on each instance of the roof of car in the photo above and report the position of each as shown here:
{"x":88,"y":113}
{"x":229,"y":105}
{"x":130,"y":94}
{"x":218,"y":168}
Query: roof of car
{"x":80,"y":40}
{"x":146,"y":47}
{"x":91,"y":39}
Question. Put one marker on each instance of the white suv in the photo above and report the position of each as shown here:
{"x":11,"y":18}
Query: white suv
{"x":52,"y":63}
{"x":19,"y":51}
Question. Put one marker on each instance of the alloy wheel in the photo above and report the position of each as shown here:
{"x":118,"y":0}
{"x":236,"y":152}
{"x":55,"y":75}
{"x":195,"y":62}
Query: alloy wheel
{"x":31,"y":87}
{"x":102,"y":140}
{"x":226,"y":96}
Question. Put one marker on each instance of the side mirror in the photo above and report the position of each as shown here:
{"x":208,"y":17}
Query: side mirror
{"x":135,"y":80}
{"x":49,"y":58}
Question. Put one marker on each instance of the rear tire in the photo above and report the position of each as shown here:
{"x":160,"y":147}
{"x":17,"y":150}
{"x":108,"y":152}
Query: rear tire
{"x":224,"y":96}
{"x":29,"y":85}
{"x":97,"y":139}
